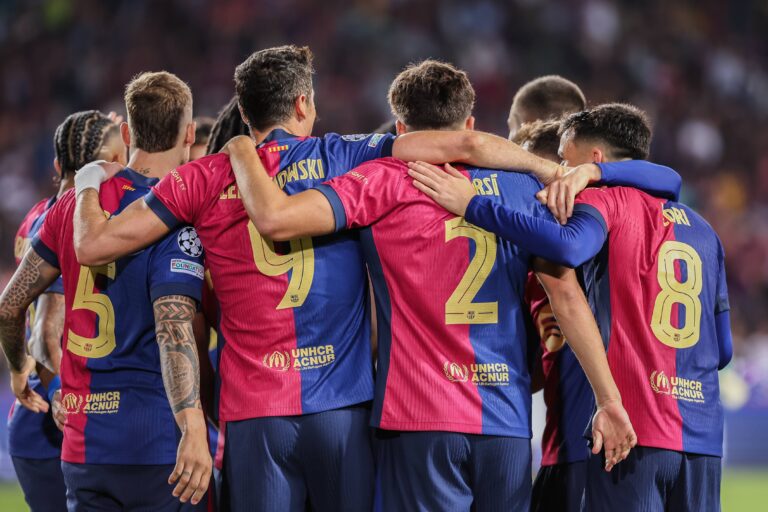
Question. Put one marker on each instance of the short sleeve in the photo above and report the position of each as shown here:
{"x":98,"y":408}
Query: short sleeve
{"x":600,"y":203}
{"x":721,"y":301}
{"x":354,"y":150}
{"x":176,"y":265}
{"x":186,"y":191}
{"x":364,"y":194}
{"x":47,"y":241}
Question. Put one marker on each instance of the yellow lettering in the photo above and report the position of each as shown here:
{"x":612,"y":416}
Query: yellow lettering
{"x":303,"y":169}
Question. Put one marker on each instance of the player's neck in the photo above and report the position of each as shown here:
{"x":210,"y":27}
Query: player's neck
{"x":155,"y":165}
{"x":291,"y":126}
{"x":64,"y":185}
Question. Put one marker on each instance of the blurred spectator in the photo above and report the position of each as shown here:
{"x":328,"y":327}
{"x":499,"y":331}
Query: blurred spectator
{"x":699,"y":68}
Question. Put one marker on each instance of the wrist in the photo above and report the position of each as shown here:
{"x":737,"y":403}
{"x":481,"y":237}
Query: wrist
{"x":191,"y":420}
{"x":53,"y":387}
{"x":90,"y":176}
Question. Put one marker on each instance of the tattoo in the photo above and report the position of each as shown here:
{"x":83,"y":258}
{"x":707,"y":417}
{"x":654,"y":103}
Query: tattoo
{"x":178,"y":351}
{"x":30,"y":280}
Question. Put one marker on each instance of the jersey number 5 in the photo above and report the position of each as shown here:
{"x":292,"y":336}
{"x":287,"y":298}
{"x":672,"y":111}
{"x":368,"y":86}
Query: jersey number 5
{"x":460,"y":309}
{"x":685,"y":293}
{"x":85,"y":298}
{"x":300,"y":260}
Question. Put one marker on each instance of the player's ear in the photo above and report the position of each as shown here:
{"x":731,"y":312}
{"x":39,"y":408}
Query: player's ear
{"x":242,"y":115}
{"x":125,"y":133}
{"x":470,"y":123}
{"x":302,"y":107}
{"x":400,"y":127}
{"x":57,"y":166}
{"x":189,"y":137}
{"x":598,"y":156}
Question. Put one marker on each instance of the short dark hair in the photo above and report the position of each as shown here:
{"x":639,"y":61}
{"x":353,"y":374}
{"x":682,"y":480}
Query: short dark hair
{"x":228,"y":124}
{"x":203,"y":127}
{"x":541,"y":138}
{"x":624,"y":128}
{"x":431,"y":95}
{"x":549,"y":97}
{"x":156,"y":103}
{"x":269,"y":81}
{"x":79,"y":139}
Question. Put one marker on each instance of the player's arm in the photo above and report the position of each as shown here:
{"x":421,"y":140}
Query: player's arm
{"x":657,"y":180}
{"x":174,"y":315}
{"x":571,"y":245}
{"x":723,"y":314}
{"x":476,"y":148}
{"x":99,"y":240}
{"x":611,"y":427}
{"x":202,"y":339}
{"x":32,"y":278}
{"x":275,"y":214}
{"x":45,"y":339}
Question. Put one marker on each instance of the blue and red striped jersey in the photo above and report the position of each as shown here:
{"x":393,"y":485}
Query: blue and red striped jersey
{"x":452,"y":329}
{"x":32,"y":435}
{"x":294,"y":336}
{"x":112,"y":386}
{"x":657,"y":286}
{"x":567,"y":393}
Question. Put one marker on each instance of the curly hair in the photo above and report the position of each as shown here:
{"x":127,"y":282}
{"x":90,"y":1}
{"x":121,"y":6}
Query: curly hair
{"x":79,"y":139}
{"x":624,"y":128}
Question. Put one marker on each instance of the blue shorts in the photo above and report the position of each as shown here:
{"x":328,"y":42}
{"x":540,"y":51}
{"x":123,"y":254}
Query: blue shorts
{"x":42,"y":483}
{"x":447,"y":471}
{"x":107,"y":487}
{"x":653,"y":479}
{"x":559,"y":487}
{"x":318,"y":462}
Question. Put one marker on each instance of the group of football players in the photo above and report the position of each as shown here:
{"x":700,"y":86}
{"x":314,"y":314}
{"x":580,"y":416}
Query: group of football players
{"x":347,"y":322}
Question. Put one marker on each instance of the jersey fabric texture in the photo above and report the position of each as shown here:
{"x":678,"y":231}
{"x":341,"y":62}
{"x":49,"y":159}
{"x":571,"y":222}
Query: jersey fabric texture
{"x":657,"y":286}
{"x":112,"y":386}
{"x":453,"y":332}
{"x":294,"y":336}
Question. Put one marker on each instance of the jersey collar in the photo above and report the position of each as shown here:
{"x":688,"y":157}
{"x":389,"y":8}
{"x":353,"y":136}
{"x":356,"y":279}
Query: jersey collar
{"x":138,"y":179}
{"x":278,"y":134}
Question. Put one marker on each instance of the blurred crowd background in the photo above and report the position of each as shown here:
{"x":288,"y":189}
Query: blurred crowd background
{"x":698,"y":67}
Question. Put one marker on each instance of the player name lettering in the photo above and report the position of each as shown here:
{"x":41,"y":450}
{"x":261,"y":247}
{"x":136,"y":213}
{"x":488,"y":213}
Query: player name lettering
{"x":487,"y":186}
{"x":675,"y":216}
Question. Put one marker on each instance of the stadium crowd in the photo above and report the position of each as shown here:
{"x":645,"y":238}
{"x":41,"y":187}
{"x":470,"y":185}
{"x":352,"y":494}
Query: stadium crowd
{"x":695,"y":69}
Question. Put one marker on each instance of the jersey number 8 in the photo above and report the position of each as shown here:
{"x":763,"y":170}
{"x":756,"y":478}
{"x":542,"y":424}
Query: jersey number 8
{"x":684,"y":293}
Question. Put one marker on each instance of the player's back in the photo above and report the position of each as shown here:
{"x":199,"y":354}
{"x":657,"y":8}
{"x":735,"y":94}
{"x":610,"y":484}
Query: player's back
{"x":658,"y":284}
{"x":112,"y":387}
{"x":452,"y":332}
{"x":294,"y":315}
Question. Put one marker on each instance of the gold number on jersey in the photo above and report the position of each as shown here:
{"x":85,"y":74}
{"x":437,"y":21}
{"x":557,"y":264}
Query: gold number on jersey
{"x":460,"y":309}
{"x":85,"y":298}
{"x":685,"y":293}
{"x":300,"y":260}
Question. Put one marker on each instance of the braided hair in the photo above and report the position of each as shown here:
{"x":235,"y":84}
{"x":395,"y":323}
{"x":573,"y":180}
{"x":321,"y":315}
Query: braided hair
{"x":228,"y":124}
{"x":79,"y":139}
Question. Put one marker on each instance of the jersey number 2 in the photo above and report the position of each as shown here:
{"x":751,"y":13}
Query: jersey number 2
{"x":300,"y":260}
{"x":684,"y":293}
{"x":460,"y":309}
{"x":85,"y":298}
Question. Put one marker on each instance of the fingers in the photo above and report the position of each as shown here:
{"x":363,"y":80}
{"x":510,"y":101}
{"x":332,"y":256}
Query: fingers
{"x":597,"y":442}
{"x":191,"y":480}
{"x":426,"y":173}
{"x":33,"y":401}
{"x":554,"y":191}
{"x":454,"y":172}
{"x":424,"y":188}
{"x":542,"y":195}
{"x":198,"y":484}
{"x":423,"y":178}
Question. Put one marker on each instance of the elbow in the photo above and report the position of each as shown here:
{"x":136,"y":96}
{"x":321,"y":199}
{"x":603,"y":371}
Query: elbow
{"x":271,"y":226}
{"x":89,"y":255}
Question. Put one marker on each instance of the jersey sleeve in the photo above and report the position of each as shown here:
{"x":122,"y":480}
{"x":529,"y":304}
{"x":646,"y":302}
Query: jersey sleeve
{"x":570,"y":245}
{"x":353,"y":150}
{"x":185,"y":192}
{"x":602,"y":204}
{"x":657,"y":180}
{"x":56,"y":287}
{"x":721,"y":301}
{"x":176,"y":265}
{"x":48,"y":239}
{"x":364,"y":194}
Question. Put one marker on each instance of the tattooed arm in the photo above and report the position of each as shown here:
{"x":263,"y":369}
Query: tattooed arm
{"x":181,"y":376}
{"x":31,"y":279}
{"x":45,"y":340}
